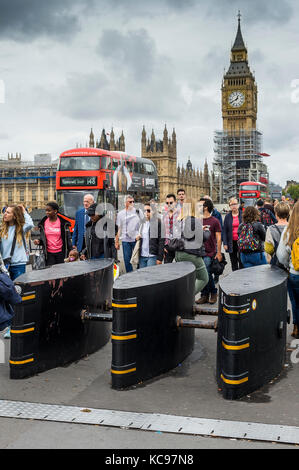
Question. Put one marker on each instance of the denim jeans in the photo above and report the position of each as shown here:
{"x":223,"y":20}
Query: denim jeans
{"x":145,"y":261}
{"x":253,"y":259}
{"x":16,"y":270}
{"x":210,"y":288}
{"x":293,"y":289}
{"x":128,"y":248}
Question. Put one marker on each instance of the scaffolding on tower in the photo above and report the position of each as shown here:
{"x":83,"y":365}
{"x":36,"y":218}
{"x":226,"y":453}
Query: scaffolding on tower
{"x":237,"y":159}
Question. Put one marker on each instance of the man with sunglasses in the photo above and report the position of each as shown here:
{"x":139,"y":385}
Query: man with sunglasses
{"x":152,"y":243}
{"x":128,"y":223}
{"x":170,"y":218}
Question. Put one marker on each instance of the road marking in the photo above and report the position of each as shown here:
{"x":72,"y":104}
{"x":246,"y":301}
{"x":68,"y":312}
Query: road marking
{"x":150,"y":422}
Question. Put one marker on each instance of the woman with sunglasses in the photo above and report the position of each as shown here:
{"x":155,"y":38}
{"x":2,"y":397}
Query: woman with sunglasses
{"x":151,"y":241}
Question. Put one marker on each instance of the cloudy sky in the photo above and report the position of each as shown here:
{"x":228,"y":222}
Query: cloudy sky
{"x":69,"y":65}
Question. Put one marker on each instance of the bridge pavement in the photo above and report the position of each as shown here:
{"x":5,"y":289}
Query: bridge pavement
{"x":189,"y":390}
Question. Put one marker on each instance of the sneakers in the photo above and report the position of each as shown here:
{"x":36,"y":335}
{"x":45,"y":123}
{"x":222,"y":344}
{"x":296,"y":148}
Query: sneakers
{"x":204,"y":299}
{"x":7,"y":333}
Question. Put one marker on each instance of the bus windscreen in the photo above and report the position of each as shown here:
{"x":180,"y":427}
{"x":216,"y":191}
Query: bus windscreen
{"x":79,"y":163}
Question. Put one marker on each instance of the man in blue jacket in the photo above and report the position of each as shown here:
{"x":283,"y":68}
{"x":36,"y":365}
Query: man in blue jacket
{"x":81,"y":220}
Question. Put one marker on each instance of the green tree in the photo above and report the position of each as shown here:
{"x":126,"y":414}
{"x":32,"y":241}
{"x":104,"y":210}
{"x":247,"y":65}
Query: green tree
{"x":293,"y":190}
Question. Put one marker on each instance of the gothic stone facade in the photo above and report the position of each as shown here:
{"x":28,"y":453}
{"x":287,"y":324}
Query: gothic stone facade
{"x":171,"y":176}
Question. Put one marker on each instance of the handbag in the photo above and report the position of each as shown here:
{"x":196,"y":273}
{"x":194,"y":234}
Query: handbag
{"x":39,"y":261}
{"x":217,"y":267}
{"x":136,"y":254}
{"x":175,"y":244}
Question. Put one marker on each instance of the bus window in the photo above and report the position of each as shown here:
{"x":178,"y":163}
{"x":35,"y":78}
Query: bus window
{"x":114,"y":164}
{"x":149,"y":169}
{"x":248,"y":187}
{"x":130,"y":166}
{"x":79,"y":163}
{"x":105,"y":162}
{"x":140,"y":168}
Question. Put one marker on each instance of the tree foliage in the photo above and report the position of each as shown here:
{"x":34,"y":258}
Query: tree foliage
{"x":293,"y":190}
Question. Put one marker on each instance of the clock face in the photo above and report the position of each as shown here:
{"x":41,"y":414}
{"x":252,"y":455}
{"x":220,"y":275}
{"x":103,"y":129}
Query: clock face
{"x":236,"y":99}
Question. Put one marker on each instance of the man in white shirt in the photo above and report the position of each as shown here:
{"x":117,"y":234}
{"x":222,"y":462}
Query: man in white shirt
{"x":128,"y":223}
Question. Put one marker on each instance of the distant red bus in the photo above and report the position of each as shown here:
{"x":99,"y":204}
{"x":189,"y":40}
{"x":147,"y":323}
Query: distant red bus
{"x":251,"y":191}
{"x":104,"y":174}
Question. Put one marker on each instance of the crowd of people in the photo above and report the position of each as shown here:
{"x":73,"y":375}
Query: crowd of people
{"x":181,"y":230}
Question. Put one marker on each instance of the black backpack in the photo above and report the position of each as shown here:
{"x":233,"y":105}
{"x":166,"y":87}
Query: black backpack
{"x":266,"y":217}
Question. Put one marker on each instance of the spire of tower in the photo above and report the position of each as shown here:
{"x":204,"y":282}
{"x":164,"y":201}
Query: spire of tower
{"x":239,"y":42}
{"x":91,"y":139}
{"x":165,"y":133}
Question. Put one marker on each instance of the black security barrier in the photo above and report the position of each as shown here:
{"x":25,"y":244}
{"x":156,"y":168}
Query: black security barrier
{"x":146,"y":337}
{"x":251,"y":329}
{"x":48,"y":329}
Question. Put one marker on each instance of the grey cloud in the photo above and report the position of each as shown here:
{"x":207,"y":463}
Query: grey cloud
{"x":133,"y":52}
{"x":255,"y":11}
{"x":25,"y":20}
{"x":93,"y":96}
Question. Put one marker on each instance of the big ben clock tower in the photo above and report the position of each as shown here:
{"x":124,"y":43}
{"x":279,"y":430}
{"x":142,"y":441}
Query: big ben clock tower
{"x":239,"y":90}
{"x":238,"y":145}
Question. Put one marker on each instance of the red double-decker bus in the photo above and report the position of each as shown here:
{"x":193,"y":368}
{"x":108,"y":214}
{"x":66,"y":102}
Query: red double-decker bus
{"x":251,"y":191}
{"x":104,"y":174}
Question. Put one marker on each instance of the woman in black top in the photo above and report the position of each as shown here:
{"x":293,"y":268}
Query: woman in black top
{"x":97,"y":246}
{"x":231,"y":224}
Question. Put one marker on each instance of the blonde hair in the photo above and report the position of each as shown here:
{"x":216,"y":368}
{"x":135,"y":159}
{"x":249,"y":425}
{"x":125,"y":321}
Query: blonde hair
{"x":190,"y":208}
{"x":232,"y":199}
{"x":19,"y":221}
{"x":292,"y":231}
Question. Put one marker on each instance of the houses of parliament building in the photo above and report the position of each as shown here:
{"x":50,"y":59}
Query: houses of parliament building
{"x":163,"y":154}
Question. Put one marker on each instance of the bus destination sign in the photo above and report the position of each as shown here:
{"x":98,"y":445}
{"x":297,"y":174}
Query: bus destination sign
{"x":78,"y":181}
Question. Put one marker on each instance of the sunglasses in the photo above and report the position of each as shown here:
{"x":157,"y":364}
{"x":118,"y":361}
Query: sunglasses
{"x":131,"y":202}
{"x":169,"y":203}
{"x":147,"y":210}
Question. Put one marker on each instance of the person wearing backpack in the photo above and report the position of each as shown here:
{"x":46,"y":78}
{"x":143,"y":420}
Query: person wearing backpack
{"x":288,"y":255}
{"x":251,"y":235}
{"x":273,"y":234}
{"x":266,"y":215}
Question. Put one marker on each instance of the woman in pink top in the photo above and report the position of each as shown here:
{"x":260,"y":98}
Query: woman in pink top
{"x":55,"y":236}
{"x":230,"y":233}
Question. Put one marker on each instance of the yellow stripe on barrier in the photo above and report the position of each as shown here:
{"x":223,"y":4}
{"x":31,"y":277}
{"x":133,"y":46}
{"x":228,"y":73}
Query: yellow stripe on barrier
{"x":22,"y":362}
{"x":28,"y":297}
{"x":123,"y":371}
{"x":235,"y":312}
{"x":235,"y":348}
{"x":123,"y":337}
{"x":124,"y":305}
{"x":234,"y":382}
{"x":22,"y":331}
